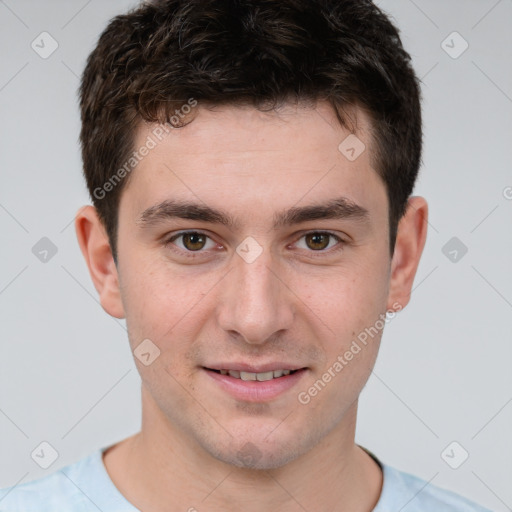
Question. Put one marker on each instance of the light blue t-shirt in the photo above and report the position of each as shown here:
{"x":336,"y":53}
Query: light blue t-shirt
{"x":85,"y":486}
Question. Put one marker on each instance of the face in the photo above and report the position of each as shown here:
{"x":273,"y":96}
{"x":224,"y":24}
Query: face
{"x":284,"y":285}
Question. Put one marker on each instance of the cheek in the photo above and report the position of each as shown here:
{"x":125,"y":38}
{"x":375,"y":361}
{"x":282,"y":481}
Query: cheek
{"x":166,"y":306}
{"x":351,"y":303}
{"x":153,"y":300}
{"x":348,"y":310}
{"x":347,"y":299}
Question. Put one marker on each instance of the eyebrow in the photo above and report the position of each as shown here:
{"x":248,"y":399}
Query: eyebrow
{"x":339,"y":208}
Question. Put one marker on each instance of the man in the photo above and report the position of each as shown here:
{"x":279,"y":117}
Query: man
{"x":251,"y":165}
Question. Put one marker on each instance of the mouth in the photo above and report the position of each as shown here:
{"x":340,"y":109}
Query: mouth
{"x":255,"y":386}
{"x":252,"y":376}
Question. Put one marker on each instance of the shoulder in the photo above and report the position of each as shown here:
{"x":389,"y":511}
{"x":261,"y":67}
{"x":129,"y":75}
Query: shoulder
{"x":403,"y":491}
{"x":61,"y":490}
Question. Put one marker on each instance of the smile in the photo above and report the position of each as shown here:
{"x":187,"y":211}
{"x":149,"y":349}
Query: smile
{"x":259,"y":386}
{"x":262,"y":376}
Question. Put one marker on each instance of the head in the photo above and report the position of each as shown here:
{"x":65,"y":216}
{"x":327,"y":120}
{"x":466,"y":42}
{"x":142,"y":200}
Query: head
{"x":286,"y":138}
{"x":150,"y":63}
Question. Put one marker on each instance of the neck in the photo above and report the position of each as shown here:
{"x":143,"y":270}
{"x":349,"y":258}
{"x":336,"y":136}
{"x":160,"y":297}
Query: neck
{"x":162,"y":465}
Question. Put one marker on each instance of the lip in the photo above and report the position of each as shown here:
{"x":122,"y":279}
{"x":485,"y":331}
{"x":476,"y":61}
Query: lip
{"x":256,"y":391}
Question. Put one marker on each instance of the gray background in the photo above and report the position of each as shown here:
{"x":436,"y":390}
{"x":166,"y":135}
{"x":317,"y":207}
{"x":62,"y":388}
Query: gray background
{"x":444,"y":371}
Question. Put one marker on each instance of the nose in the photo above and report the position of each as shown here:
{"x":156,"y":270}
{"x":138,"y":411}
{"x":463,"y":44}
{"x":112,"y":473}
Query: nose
{"x":256,"y":302}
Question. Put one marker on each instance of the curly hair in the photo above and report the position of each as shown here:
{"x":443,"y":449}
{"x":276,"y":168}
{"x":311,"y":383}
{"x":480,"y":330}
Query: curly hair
{"x":264,"y":53}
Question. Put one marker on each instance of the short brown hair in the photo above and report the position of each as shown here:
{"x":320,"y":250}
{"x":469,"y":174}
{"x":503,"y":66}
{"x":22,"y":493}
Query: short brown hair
{"x":264,"y":53}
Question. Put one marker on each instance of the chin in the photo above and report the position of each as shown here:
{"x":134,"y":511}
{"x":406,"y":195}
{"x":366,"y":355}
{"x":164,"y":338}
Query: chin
{"x":256,"y":454}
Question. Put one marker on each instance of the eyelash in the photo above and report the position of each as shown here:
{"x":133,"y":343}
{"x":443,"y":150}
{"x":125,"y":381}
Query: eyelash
{"x":195,"y":254}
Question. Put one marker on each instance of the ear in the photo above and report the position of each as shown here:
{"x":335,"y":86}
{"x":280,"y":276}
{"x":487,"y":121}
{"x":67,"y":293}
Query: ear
{"x":410,"y":240}
{"x":95,"y":247}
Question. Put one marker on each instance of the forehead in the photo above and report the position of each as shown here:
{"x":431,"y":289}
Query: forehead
{"x":240,"y":129}
{"x":239,"y":157}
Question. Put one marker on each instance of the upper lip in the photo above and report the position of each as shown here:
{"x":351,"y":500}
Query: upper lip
{"x":254,"y":368}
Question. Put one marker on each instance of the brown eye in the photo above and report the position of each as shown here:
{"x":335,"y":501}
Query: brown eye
{"x":191,"y":241}
{"x":317,"y":241}
{"x":194,"y":241}
{"x":320,"y":243}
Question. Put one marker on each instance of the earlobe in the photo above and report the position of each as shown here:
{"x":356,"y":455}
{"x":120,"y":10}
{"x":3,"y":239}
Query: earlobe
{"x":97,"y":253}
{"x":410,"y":241}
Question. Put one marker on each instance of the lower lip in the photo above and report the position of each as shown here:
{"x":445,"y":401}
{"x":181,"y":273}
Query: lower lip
{"x":253,"y":390}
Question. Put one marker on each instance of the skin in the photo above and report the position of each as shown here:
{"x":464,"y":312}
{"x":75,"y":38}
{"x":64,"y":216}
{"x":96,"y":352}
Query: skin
{"x":294,"y":303}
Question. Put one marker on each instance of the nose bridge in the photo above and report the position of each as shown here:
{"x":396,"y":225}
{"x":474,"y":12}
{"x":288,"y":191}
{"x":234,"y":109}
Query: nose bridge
{"x":255,"y":303}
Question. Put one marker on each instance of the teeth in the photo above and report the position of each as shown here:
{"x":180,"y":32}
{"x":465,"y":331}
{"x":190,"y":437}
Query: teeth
{"x":263,"y":376}
{"x":248,"y":376}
